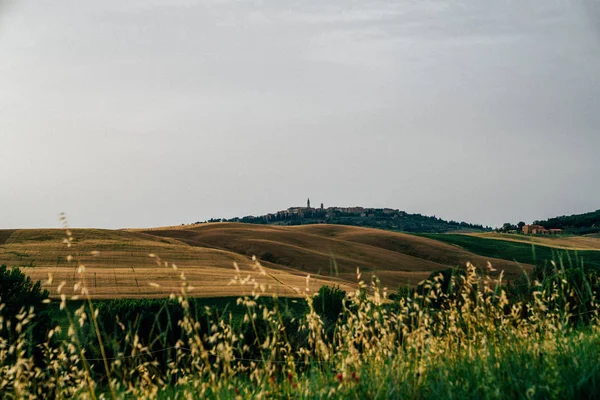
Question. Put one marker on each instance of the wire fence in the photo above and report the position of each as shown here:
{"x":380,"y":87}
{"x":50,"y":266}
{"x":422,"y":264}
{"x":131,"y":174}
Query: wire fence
{"x":146,"y":353}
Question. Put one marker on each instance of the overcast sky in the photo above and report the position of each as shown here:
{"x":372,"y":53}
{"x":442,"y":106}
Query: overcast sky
{"x":148,"y":113}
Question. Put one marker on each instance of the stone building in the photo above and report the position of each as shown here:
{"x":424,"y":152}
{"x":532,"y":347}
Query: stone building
{"x":540,"y":230}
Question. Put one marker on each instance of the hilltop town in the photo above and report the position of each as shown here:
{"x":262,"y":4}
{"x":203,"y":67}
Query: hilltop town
{"x":382,"y":218}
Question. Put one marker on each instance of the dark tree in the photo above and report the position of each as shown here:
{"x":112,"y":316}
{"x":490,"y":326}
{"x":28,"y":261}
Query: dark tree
{"x":17,"y":290}
{"x":328,"y":302}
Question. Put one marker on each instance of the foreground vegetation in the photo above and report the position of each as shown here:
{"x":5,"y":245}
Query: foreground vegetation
{"x":460,"y":334}
{"x":463,"y":343}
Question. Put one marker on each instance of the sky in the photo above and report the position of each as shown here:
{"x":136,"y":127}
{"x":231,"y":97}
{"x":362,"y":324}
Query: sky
{"x":155,"y":112}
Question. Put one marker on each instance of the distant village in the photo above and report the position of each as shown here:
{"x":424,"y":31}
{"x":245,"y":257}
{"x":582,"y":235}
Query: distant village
{"x":309,"y":211}
{"x":382,"y":218}
{"x":318,"y":212}
{"x":295,"y":215}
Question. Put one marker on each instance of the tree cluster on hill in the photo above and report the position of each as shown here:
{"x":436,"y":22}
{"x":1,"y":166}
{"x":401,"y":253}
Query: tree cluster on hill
{"x":577,"y":223}
{"x":381,"y":218}
{"x":507,"y":227}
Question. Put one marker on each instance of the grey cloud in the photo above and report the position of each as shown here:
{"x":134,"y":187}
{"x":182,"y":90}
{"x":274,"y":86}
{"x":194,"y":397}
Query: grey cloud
{"x":153,"y":112}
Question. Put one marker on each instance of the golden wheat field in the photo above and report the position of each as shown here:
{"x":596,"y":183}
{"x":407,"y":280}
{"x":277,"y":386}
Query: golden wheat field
{"x":590,"y":242}
{"x":118,"y":263}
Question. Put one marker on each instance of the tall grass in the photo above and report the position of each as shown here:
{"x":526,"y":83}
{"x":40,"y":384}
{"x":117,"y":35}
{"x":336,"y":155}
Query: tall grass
{"x":463,"y":339}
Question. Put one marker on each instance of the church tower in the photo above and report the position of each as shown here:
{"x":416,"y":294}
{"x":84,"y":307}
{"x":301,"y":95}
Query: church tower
{"x":308,"y":203}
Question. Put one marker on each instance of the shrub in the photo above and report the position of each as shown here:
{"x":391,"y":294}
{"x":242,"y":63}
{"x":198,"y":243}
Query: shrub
{"x":19,"y":293}
{"x":329,"y":302}
{"x":17,"y":290}
{"x":446,"y":284}
{"x":403,"y":292}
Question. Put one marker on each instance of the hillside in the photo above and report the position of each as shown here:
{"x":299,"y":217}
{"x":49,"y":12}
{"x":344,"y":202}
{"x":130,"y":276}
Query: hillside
{"x":396,"y":258}
{"x":206,"y":252}
{"x":381,"y":218}
{"x":576,"y":223}
{"x":588,"y":242}
{"x":520,"y":252}
{"x":124,"y":269}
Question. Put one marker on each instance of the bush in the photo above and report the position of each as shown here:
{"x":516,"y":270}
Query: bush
{"x":328,"y":303}
{"x":19,"y":293}
{"x":17,"y":290}
{"x":403,"y":292}
{"x":446,"y":284}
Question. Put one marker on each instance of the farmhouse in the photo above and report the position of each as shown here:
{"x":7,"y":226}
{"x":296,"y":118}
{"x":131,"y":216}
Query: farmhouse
{"x":540,"y":230}
{"x":534,"y":230}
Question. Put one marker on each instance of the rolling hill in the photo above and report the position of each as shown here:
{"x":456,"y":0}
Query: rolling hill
{"x":522,"y":252}
{"x":122,"y":267}
{"x":324,"y":249}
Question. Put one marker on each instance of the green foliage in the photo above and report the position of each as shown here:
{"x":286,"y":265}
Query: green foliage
{"x":18,"y":293}
{"x":403,"y":292}
{"x":17,"y":290}
{"x":580,"y":289}
{"x":445,"y":283}
{"x":473,"y":347}
{"x":507,"y":227}
{"x":155,"y":322}
{"x":576,"y":223}
{"x":329,"y":302}
{"x":520,"y":252}
{"x":446,"y":278}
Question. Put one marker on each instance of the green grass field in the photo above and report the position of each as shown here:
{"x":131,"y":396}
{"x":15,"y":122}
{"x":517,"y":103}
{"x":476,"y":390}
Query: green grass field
{"x":519,"y":252}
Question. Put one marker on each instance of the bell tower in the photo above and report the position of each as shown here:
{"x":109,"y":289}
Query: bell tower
{"x":308,"y":203}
